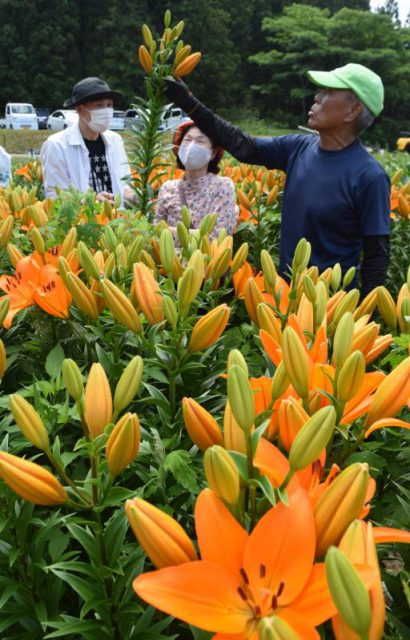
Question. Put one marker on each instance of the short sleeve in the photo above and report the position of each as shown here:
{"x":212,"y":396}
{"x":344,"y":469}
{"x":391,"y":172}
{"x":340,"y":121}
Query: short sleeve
{"x":374,"y":206}
{"x":274,"y":152}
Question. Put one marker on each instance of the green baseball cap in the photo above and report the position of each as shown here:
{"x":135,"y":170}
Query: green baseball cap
{"x":366,"y":84}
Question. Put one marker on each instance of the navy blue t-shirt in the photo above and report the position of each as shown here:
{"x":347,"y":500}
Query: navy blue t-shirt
{"x":332,"y":198}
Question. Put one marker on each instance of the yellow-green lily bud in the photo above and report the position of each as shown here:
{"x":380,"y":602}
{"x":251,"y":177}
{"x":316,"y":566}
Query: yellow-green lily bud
{"x":135,"y":250}
{"x":4,"y":309}
{"x":312,"y":438}
{"x":235,"y":357}
{"x":170,"y":311}
{"x":348,"y":277}
{"x":387,"y":307}
{"x":274,"y":628}
{"x":269,"y":270}
{"x":167,"y":250}
{"x":29,"y":422}
{"x":349,"y":303}
{"x":240,"y":257}
{"x":351,"y":376}
{"x":343,"y":339}
{"x":222,"y":474}
{"x":296,"y":361}
{"x":186,"y":217}
{"x":87,"y":261}
{"x":110,"y":238}
{"x":72,"y":379}
{"x":280,"y":381}
{"x":309,"y":289}
{"x":336,"y":276}
{"x":38,"y":241}
{"x":183,"y":235}
{"x":128,"y":383}
{"x":348,"y":591}
{"x":240,"y":397}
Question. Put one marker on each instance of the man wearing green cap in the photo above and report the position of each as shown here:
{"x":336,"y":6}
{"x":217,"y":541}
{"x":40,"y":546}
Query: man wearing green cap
{"x":336,"y":195}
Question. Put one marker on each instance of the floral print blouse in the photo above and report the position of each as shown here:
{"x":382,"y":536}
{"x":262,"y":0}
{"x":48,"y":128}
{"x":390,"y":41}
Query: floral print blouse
{"x":208,"y":194}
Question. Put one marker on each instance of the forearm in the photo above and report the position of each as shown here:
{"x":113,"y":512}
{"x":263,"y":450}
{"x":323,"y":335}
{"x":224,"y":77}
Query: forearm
{"x":375,"y":262}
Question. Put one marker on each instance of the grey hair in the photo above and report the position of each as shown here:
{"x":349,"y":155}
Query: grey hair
{"x":365,"y":119}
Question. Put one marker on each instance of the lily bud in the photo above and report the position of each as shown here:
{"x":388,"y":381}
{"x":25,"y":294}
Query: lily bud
{"x":348,"y":591}
{"x":253,"y":297}
{"x":64,"y":269}
{"x":128,"y":384}
{"x":202,"y":427}
{"x":197,"y":263}
{"x":348,"y":277}
{"x":162,"y":538}
{"x":234,"y":437}
{"x":240,"y":257}
{"x":219,"y":264}
{"x":29,"y":422}
{"x":98,"y":401}
{"x":82,"y":296}
{"x":336,"y":276}
{"x":342,"y":342}
{"x":309,"y":289}
{"x":312,"y":438}
{"x":167,"y":250}
{"x":274,"y":628}
{"x":186,"y":291}
{"x":339,"y":505}
{"x":367,"y":305}
{"x":3,"y":360}
{"x":134,"y":251}
{"x":31,"y":481}
{"x":322,"y":295}
{"x":183,"y":235}
{"x":240,"y":397}
{"x":280,"y":381}
{"x":349,"y":303}
{"x":14,"y":254}
{"x":267,"y":321}
{"x":38,"y":241}
{"x":209,"y":328}
{"x":387,"y":307}
{"x":222,"y":474}
{"x":87,"y":261}
{"x":123,"y":443}
{"x":292,"y":417}
{"x":207,"y":224}
{"x":4,"y":309}
{"x":69,"y":243}
{"x":302,"y":256}
{"x":269,"y":270}
{"x":148,"y":293}
{"x":236,"y":357}
{"x":170,"y":311}
{"x":6,"y":229}
{"x":110,"y":238}
{"x":72,"y":379}
{"x":120,"y":306}
{"x":296,"y":361}
{"x":351,"y":376}
{"x":392,"y":394}
{"x":186,"y":217}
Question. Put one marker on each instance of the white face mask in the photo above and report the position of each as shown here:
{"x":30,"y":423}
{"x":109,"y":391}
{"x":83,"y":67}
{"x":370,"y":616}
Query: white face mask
{"x":194,"y":156}
{"x":100,"y":119}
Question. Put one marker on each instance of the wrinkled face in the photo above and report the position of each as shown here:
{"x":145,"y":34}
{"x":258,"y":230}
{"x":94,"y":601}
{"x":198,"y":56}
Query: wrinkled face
{"x":332,"y":109}
{"x":84,"y":109}
{"x":196,"y":135}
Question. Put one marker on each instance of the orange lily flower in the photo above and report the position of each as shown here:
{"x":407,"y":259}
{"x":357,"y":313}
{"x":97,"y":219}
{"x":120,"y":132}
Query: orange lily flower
{"x":20,"y":288}
{"x":52,"y":295}
{"x":244,"y":578}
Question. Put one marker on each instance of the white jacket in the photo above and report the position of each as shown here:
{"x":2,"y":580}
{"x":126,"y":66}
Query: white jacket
{"x":65,"y":161}
{"x":5,"y":167}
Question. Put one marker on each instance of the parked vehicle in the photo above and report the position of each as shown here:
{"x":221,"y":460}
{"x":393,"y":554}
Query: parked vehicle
{"x":42,"y":114}
{"x":117,"y":122}
{"x":19,"y":115}
{"x":403,"y":144}
{"x":173,"y":118}
{"x":61,"y":119}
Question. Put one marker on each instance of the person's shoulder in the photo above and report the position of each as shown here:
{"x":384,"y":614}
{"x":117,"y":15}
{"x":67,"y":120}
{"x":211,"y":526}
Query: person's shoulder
{"x":370,"y":167}
{"x":223,"y":181}
{"x":58,"y":137}
{"x":113,"y":136}
{"x":292,"y":141}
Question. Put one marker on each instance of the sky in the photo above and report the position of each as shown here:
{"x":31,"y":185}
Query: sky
{"x":404,"y":7}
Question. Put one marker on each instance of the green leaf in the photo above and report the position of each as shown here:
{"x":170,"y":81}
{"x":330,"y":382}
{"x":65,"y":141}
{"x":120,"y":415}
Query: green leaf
{"x":267,"y":489}
{"x":257,"y":435}
{"x":54,"y":361}
{"x":179,"y":464}
{"x":58,"y":545}
{"x":241,"y":462}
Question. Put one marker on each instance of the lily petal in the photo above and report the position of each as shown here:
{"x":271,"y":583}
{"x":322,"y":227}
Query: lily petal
{"x":201,"y":593}
{"x":221,"y":539}
{"x":315,"y":604}
{"x":270,"y":559}
{"x":387,"y":534}
{"x":387,"y":422}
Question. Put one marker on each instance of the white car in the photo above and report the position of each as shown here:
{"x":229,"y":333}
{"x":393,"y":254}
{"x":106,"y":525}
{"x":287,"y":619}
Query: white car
{"x":19,"y":115}
{"x":173,"y":118}
{"x":62,"y":119}
{"x":117,"y":121}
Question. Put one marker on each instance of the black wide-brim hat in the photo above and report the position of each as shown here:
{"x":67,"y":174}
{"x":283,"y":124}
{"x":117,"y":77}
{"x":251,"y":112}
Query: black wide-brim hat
{"x":90,"y":89}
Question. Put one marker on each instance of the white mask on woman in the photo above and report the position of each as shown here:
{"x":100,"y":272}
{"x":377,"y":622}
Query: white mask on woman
{"x":100,"y":119}
{"x":194,"y":156}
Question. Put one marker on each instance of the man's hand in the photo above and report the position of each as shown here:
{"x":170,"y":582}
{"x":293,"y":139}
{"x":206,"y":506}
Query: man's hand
{"x":104,"y":195}
{"x":178,"y":93}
